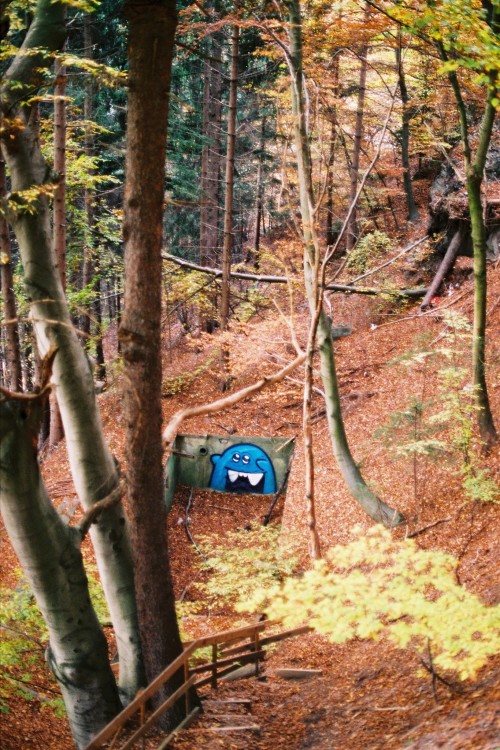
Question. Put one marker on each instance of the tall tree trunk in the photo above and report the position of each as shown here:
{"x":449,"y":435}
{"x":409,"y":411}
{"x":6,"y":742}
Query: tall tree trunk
{"x":259,"y":199}
{"x":93,"y":319}
{"x":151,"y":39}
{"x":211,"y":154}
{"x":474,"y":171}
{"x":229,"y":182}
{"x":56,"y":433}
{"x":211,"y":159}
{"x":88,"y":270}
{"x":372,"y":505}
{"x":446,"y":264}
{"x":405,"y":136}
{"x":352,"y":227}
{"x":13,"y":354}
{"x":49,"y":552}
{"x":92,"y":465}
{"x":331,"y":234}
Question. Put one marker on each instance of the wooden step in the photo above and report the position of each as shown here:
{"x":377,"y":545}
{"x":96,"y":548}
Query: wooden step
{"x":183,"y":725}
{"x":227,"y":702}
{"x":227,"y":730}
{"x":297,"y":674}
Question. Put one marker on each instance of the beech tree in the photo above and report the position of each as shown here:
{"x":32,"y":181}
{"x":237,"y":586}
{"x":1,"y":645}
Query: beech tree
{"x":49,"y":552}
{"x":13,"y":378}
{"x":320,"y":326}
{"x":465,"y":36}
{"x":93,"y":468}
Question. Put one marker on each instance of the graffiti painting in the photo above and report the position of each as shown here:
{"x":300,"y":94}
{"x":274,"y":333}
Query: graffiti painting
{"x":243,"y":468}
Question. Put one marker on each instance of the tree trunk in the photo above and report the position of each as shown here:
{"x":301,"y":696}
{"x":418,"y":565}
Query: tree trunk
{"x":405,"y":137}
{"x":259,"y":199}
{"x":485,"y":417}
{"x":13,"y":354}
{"x":92,"y":465}
{"x":88,"y":270}
{"x":331,"y":227}
{"x":372,"y":505}
{"x":352,"y":227}
{"x":211,"y":155}
{"x":474,"y":170}
{"x":151,"y":38}
{"x":49,"y":552}
{"x":211,"y":164}
{"x":229,"y":181}
{"x":56,"y":433}
{"x":446,"y":264}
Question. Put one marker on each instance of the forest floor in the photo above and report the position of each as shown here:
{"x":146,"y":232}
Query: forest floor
{"x":369,"y":695}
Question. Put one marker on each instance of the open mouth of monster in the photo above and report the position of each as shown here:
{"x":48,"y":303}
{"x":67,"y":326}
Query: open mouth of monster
{"x":242,"y":481}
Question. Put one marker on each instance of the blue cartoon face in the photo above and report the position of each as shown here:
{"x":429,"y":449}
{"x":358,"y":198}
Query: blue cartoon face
{"x":243,"y":468}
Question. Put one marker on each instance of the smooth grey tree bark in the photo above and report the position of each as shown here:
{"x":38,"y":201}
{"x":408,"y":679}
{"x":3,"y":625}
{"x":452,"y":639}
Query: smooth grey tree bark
{"x":56,"y":432}
{"x":474,"y":165}
{"x":92,"y":465}
{"x":49,"y":552}
{"x":13,"y":352}
{"x":320,"y":323}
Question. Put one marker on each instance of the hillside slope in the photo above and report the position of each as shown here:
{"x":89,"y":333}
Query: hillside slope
{"x":369,"y":696}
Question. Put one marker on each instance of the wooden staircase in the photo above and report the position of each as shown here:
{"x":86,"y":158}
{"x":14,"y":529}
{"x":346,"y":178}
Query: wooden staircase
{"x":231,"y":650}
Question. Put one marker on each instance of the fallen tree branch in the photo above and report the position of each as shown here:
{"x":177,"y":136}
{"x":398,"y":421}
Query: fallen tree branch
{"x":415,"y":533}
{"x":24,"y":635}
{"x":180,"y":416}
{"x":431,"y":311}
{"x":445,"y":266}
{"x":269,"y":279}
{"x":45,"y":385}
{"x":392,"y":260}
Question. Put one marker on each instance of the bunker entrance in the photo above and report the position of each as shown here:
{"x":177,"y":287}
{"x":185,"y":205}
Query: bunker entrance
{"x":232,"y":464}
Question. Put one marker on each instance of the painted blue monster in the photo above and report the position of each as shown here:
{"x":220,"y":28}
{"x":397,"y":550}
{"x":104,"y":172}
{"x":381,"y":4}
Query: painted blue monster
{"x":243,"y":468}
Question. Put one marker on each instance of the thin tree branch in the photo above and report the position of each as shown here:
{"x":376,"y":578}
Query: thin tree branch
{"x":180,"y":416}
{"x":268,"y":279}
{"x":95,"y":511}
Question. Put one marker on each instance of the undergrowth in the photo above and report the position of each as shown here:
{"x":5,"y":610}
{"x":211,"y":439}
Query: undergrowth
{"x":25,"y":639}
{"x":443,"y":426}
{"x":377,"y":587}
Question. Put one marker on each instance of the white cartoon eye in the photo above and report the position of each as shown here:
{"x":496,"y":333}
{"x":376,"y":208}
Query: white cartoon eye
{"x":236,"y":458}
{"x":246,"y":459}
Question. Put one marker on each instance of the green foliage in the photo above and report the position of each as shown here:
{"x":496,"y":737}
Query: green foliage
{"x":460,"y":27}
{"x":24,"y":202}
{"x":189,"y":291}
{"x":104,"y":74}
{"x":376,"y":587}
{"x":96,"y":594}
{"x":22,"y":642}
{"x":368,"y":251}
{"x":406,"y":434}
{"x":25,"y":637}
{"x":242,"y":561}
{"x":253,"y":301}
{"x":444,"y":426}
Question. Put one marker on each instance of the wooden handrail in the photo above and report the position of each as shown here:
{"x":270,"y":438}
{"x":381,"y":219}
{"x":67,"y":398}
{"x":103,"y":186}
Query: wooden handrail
{"x":217,"y":667}
{"x":141,"y":698}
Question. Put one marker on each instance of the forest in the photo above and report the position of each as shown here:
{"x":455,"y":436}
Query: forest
{"x":249,"y":393}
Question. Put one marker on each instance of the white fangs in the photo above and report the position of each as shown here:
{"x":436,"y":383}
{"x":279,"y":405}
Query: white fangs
{"x":254,"y":478}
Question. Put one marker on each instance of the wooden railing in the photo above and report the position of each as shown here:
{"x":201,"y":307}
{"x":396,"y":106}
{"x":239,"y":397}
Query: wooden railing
{"x":230,"y":649}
